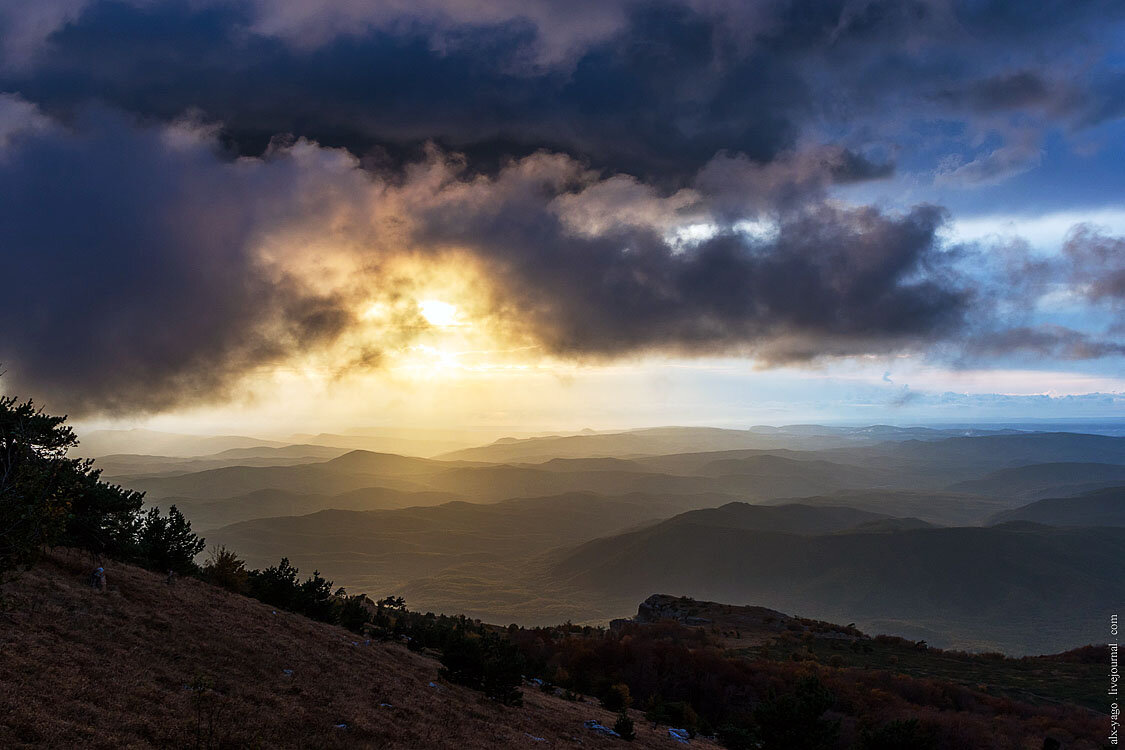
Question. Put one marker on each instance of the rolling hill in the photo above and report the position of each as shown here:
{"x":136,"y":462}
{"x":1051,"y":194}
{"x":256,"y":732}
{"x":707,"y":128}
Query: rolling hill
{"x":137,"y":465}
{"x":105,"y":442}
{"x":786,"y":519}
{"x":1040,"y":481}
{"x":209,"y":514}
{"x":952,"y":586}
{"x":645,"y":442}
{"x":401,"y":524}
{"x":1105,"y":507}
{"x":940,"y":508}
{"x":668,"y":440}
{"x":956,"y":459}
{"x":214,"y":484}
{"x":756,"y":477}
{"x":383,"y":550}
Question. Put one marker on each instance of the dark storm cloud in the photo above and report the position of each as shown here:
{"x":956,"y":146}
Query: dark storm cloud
{"x":635,"y":104}
{"x":128,"y":280}
{"x":147,"y":269}
{"x":825,"y":281}
{"x":145,"y":258}
{"x":653,"y":89}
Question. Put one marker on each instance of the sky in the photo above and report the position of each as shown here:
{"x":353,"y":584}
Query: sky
{"x":284,"y":215}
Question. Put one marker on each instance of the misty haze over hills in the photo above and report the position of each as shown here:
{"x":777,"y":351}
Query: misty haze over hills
{"x":917,"y":531}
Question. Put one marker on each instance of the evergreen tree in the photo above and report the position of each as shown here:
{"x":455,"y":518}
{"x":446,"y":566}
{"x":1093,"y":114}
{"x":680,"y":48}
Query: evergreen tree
{"x":897,"y":734}
{"x":47,"y":498}
{"x":354,"y":613}
{"x":276,"y":585}
{"x":793,"y":721}
{"x":314,"y":598}
{"x":624,"y":726}
{"x":36,"y":480}
{"x":503,"y":672}
{"x":167,"y":542}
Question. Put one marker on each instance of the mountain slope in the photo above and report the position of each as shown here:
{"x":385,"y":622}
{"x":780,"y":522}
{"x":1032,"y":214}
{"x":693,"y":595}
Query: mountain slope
{"x":668,"y":440}
{"x":215,"y":484}
{"x":209,"y":514}
{"x":1039,"y":481}
{"x":382,"y":550}
{"x":129,"y":464}
{"x":962,"y":583}
{"x":1104,"y":507}
{"x":786,"y":519}
{"x":149,"y":665}
{"x":968,"y":457}
{"x":653,"y":441}
{"x":941,"y":508}
{"x":104,"y":442}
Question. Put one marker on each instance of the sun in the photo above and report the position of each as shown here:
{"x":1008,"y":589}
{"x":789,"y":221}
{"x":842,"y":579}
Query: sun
{"x":438,"y":313}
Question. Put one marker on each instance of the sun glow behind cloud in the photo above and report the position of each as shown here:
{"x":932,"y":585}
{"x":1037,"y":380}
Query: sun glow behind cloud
{"x":429,"y":321}
{"x":438,"y":313}
{"x":382,"y":299}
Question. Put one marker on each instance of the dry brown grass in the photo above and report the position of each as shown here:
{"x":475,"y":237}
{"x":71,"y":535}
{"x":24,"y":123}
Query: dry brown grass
{"x":83,"y":669}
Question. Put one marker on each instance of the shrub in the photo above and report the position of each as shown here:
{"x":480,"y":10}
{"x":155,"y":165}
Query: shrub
{"x":896,"y":734}
{"x":737,"y":737}
{"x":624,"y":727}
{"x":793,"y":721}
{"x":354,"y":611}
{"x":484,"y":663}
{"x":675,"y":714}
{"x":462,"y":661}
{"x":503,"y":673}
{"x":225,"y":569}
{"x":616,"y":697}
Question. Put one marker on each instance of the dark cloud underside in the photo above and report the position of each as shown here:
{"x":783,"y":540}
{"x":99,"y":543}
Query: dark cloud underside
{"x":571,"y":147}
{"x":656,"y":98}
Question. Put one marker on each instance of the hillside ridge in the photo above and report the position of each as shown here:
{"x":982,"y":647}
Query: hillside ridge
{"x":147,"y":664}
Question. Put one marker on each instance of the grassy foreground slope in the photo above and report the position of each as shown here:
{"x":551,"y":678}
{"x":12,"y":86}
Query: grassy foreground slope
{"x":190,"y":665}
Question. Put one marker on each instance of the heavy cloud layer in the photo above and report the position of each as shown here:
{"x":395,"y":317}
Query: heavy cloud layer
{"x":129,"y":277}
{"x":654,"y":89}
{"x":195,"y":190}
{"x":148,"y":268}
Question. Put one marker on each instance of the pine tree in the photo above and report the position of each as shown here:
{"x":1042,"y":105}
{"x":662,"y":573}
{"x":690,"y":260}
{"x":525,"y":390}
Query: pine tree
{"x":624,"y":726}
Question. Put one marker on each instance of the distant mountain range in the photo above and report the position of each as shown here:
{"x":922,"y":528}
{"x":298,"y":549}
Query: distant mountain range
{"x":936,"y":507}
{"x":955,"y":586}
{"x":97,"y":443}
{"x":1100,"y":508}
{"x":914,"y":531}
{"x":137,"y":465}
{"x":666,"y":440}
{"x":1039,"y":481}
{"x":383,"y":550}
